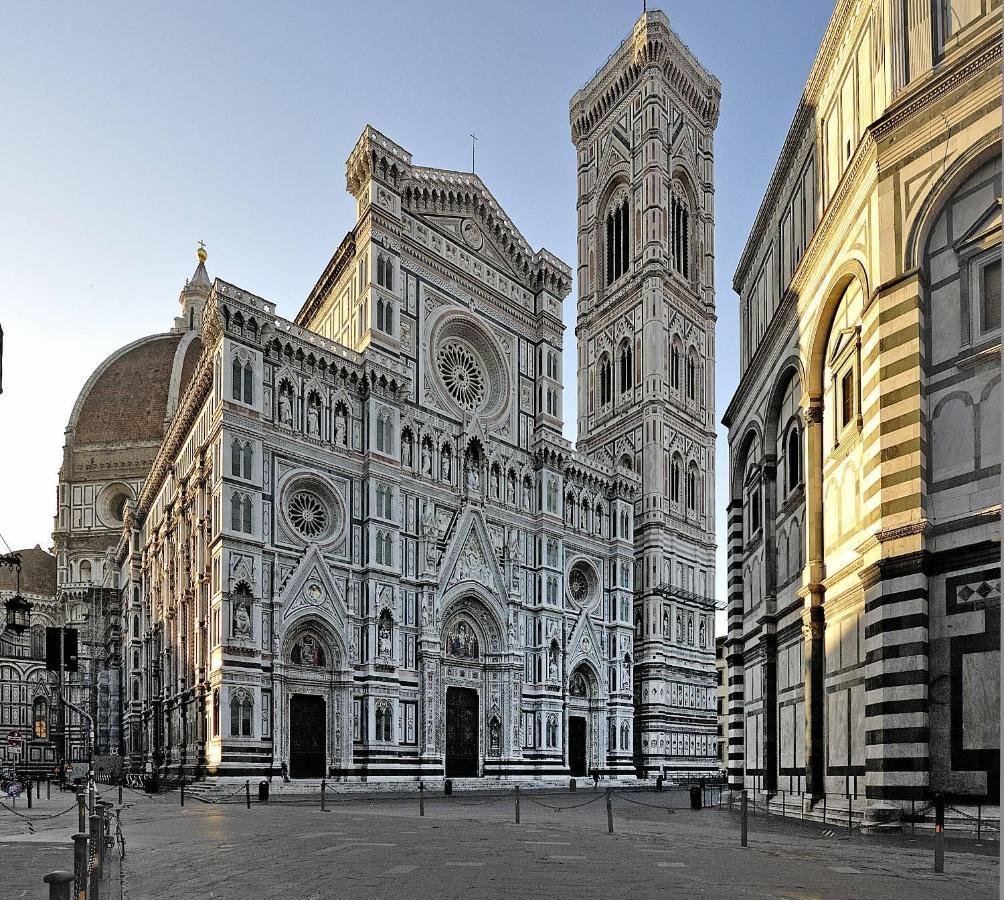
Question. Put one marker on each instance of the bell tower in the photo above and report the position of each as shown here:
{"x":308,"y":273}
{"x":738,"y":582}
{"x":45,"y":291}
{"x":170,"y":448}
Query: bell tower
{"x":643,"y":129}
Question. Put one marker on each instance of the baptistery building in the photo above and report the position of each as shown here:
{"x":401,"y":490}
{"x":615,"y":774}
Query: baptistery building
{"x":361,"y":546}
{"x":863,"y":646}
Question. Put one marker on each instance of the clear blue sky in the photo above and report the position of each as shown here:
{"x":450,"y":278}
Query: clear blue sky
{"x":132,"y":130}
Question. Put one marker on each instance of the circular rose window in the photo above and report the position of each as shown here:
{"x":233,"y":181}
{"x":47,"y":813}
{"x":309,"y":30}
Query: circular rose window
{"x":583,"y":585}
{"x":312,"y":509}
{"x":307,"y":513}
{"x":462,"y":374}
{"x":469,"y":367}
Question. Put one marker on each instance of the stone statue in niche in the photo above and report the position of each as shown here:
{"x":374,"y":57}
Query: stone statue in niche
{"x":703,"y":633}
{"x":426,"y":459}
{"x":445,"y":466}
{"x":552,"y":664}
{"x":406,"y":452}
{"x":242,"y":618}
{"x":690,"y":629}
{"x":665,"y":625}
{"x":494,"y":734}
{"x":511,"y":492}
{"x":473,"y":477}
{"x":384,"y":639}
{"x":341,"y":427}
{"x":313,"y":420}
{"x":285,"y":407}
{"x":679,"y":627}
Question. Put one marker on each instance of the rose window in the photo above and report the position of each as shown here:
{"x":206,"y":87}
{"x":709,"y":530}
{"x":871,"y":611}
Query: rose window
{"x":308,"y":514}
{"x":578,"y":585}
{"x":462,"y":375}
{"x":583,"y":585}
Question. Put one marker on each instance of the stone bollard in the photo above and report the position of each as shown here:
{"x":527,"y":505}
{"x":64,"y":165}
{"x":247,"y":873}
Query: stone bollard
{"x":247,"y":792}
{"x":421,"y":799}
{"x":182,"y":792}
{"x":79,"y":864}
{"x":324,"y":788}
{"x":94,"y":885}
{"x":610,"y":813}
{"x":48,"y":788}
{"x":81,"y":811}
{"x":29,"y":793}
{"x":571,"y":785}
{"x":939,"y":834}
{"x":59,"y":883}
{"x":120,"y":790}
{"x":516,"y":792}
{"x":742,"y":813}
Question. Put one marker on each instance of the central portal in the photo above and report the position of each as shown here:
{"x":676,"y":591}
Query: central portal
{"x":577,"y":745}
{"x":461,"y":733}
{"x":306,"y":736}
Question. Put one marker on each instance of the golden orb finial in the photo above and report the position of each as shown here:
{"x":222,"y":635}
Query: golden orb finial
{"x":201,"y":252}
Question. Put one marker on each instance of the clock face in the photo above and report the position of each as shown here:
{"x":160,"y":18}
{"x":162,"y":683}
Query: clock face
{"x":313,"y":592}
{"x":472,"y":234}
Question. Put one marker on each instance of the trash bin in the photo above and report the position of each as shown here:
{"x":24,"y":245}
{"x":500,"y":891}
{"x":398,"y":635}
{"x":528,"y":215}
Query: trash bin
{"x":262,"y":791}
{"x":448,"y":787}
{"x":695,"y":797}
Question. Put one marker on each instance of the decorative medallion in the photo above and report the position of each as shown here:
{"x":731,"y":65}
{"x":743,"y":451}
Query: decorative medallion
{"x":472,"y":234}
{"x":313,"y":592}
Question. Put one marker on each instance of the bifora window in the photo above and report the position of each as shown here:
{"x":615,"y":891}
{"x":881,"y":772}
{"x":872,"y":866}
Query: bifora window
{"x":990,"y":297}
{"x":308,"y":514}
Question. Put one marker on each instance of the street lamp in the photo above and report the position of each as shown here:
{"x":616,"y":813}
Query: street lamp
{"x":18,"y":609}
{"x":18,"y":614}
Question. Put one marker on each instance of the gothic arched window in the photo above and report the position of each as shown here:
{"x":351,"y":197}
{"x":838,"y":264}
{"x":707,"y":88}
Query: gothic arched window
{"x":676,"y":476}
{"x":674,"y":368}
{"x":627,"y":367}
{"x":248,"y":384}
{"x":40,"y":715}
{"x":605,"y":380}
{"x":384,"y":721}
{"x":618,"y":240}
{"x":691,"y":376}
{"x":238,"y":379}
{"x":692,"y":490}
{"x":216,"y":712}
{"x":241,"y":710}
{"x":246,"y":457}
{"x":235,"y":458}
{"x":679,"y":208}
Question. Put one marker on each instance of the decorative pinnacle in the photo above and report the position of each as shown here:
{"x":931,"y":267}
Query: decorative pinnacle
{"x":201,"y":252}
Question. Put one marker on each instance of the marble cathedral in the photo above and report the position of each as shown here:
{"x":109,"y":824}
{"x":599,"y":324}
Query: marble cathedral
{"x":362,"y":546}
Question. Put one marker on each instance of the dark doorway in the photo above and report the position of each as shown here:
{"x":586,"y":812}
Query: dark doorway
{"x":461,"y":733}
{"x":307,"y":721}
{"x":577,"y":745}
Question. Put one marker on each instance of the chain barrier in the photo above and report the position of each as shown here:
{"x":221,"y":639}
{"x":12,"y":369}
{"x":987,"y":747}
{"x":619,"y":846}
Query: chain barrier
{"x":459,"y":800}
{"x":31,"y":820}
{"x":532,"y":799}
{"x":623,"y":796}
{"x":226,"y":798}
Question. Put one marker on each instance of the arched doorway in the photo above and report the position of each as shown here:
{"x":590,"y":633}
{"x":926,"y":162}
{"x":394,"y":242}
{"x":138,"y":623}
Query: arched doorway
{"x":311,"y":692}
{"x":473,"y":698}
{"x":582,"y":727}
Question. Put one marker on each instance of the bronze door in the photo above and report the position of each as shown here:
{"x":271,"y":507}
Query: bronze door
{"x":461,"y":733}
{"x":307,"y":721}
{"x":577,"y":745}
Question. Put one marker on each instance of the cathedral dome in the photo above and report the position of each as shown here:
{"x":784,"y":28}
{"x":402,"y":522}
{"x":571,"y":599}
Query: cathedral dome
{"x":38,"y":573}
{"x":126,"y":399}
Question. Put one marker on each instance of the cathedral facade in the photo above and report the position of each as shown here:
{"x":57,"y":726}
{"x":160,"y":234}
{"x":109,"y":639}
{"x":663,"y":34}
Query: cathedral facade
{"x":863,"y":645}
{"x":356,"y":544}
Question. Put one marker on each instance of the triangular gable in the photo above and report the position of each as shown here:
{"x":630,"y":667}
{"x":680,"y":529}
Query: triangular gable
{"x":470,"y":556}
{"x":584,"y":643}
{"x":310,"y":590}
{"x":985,"y":225}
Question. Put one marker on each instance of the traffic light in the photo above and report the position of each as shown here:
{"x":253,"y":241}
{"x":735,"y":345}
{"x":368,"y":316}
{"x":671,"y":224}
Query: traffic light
{"x":70,"y":651}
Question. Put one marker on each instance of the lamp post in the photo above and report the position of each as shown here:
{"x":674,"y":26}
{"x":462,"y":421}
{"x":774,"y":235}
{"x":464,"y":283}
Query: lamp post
{"x":18,"y":609}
